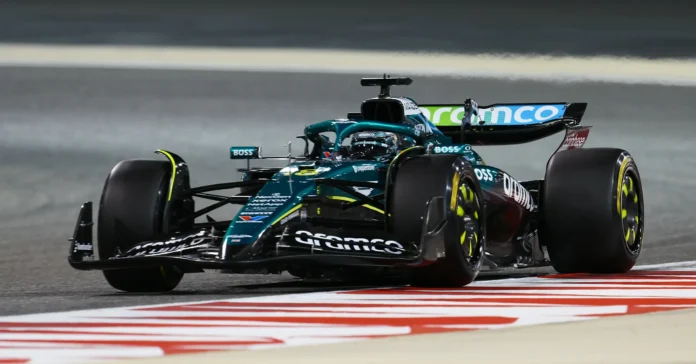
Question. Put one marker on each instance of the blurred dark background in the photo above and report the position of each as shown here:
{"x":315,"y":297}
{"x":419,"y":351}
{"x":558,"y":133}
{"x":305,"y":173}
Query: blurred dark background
{"x":572,"y":27}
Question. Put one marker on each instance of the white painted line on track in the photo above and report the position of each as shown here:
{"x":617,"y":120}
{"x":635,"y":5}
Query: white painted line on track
{"x":281,"y":321}
{"x":686,"y":264}
{"x":664,"y":337}
{"x":510,"y":66}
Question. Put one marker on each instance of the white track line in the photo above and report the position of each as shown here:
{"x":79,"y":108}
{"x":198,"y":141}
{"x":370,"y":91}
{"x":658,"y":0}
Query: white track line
{"x":635,"y":339}
{"x":310,"y":319}
{"x":602,"y":69}
{"x":688,"y":263}
{"x":273,"y":297}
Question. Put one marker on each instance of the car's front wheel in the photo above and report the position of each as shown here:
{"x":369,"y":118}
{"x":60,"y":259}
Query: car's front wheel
{"x":131,"y":211}
{"x":451,"y":177}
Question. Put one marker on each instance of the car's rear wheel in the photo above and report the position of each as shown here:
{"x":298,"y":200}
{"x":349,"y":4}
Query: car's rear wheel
{"x":592,"y":211}
{"x":417,"y":181}
{"x":131,"y":211}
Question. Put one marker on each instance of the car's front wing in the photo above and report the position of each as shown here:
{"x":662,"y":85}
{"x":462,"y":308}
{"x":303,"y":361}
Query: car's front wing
{"x":195,"y":257}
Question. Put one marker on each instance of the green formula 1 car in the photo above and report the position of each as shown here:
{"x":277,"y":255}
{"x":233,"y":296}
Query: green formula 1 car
{"x":382,"y":192}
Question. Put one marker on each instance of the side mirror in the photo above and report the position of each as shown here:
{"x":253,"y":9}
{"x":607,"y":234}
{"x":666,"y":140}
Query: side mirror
{"x":306,"y":145}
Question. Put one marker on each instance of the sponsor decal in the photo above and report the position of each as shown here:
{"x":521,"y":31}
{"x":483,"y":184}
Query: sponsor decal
{"x":295,"y":171}
{"x":259,"y":206}
{"x":364,"y":168}
{"x":270,"y":198}
{"x":301,"y":213}
{"x":244,"y":152}
{"x":575,"y":139}
{"x":327,"y":154}
{"x":447,"y":149}
{"x":248,"y":218}
{"x":83,"y":247}
{"x":367,"y":135}
{"x":236,"y":238}
{"x":365,"y":190}
{"x":497,"y":115}
{"x":574,"y":142}
{"x":515,"y":190}
{"x":322,"y":241}
{"x":410,"y":107}
{"x":485,"y":174}
{"x":289,"y":217}
{"x":260,"y":203}
{"x":172,"y":245}
{"x":423,"y":129}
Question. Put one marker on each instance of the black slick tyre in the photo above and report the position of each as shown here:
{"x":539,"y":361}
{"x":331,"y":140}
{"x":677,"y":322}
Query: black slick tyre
{"x":592,"y":211}
{"x":131,"y":211}
{"x":416,"y":182}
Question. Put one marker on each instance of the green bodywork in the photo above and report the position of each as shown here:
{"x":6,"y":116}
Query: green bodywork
{"x":281,"y":197}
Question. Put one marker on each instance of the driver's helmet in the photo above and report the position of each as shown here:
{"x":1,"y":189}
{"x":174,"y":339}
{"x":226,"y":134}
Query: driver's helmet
{"x":373,"y":145}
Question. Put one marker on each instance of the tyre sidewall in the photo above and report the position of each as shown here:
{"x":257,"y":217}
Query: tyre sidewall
{"x":581,"y":225}
{"x":417,"y":181}
{"x":131,"y":211}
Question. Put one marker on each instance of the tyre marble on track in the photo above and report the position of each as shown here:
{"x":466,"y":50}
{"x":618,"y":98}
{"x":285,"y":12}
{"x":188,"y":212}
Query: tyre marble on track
{"x":62,"y":130}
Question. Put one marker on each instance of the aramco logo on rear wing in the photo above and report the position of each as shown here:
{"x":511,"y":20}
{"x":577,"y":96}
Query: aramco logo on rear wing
{"x":497,"y":115}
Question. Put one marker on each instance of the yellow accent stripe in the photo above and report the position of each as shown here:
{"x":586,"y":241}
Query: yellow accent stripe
{"x":171,"y":180}
{"x":455,"y":187}
{"x":389,"y":169}
{"x":623,"y":213}
{"x":462,"y":238}
{"x":297,"y":207}
{"x":624,"y":189}
{"x":402,"y":152}
{"x":348,"y":199}
{"x":630,"y":181}
{"x":476,"y":215}
{"x":628,"y":235}
{"x":460,"y":211}
{"x":620,"y":183}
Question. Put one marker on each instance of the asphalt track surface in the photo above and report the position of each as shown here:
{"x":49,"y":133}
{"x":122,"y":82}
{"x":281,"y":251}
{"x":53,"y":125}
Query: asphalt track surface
{"x":575,"y":27}
{"x":62,"y":130}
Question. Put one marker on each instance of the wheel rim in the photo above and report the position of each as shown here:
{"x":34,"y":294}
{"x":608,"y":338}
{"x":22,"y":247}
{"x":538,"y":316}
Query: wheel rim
{"x":469,"y":217}
{"x":631,"y":210}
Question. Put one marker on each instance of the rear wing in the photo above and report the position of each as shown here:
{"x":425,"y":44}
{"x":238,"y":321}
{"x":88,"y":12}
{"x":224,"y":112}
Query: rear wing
{"x":503,"y":123}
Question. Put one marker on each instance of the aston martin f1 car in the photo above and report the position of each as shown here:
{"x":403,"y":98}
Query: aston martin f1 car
{"x":395,"y":189}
